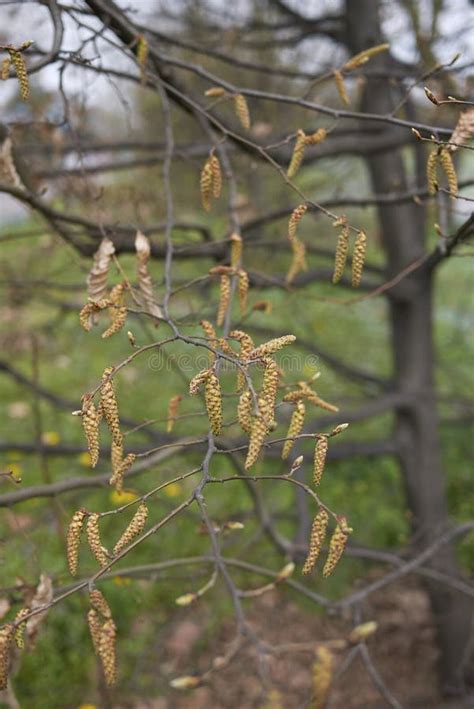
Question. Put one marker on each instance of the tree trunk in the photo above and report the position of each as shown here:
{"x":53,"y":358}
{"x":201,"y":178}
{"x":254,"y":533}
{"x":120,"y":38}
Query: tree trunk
{"x":410,"y":307}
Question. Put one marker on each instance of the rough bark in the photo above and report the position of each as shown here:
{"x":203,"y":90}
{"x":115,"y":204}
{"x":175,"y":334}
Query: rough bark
{"x":410,"y":305}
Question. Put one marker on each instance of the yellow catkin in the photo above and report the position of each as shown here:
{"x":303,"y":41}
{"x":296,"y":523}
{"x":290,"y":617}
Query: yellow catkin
{"x":19,"y":63}
{"x":116,"y":456}
{"x":95,"y":626}
{"x":295,"y":427}
{"x":20,"y":623}
{"x":336,"y":547}
{"x":93,"y":539}
{"x":316,"y":540}
{"x":244,"y":411}
{"x":358,"y":258}
{"x":6,"y":638}
{"x":5,"y":70}
{"x":216,"y":176}
{"x":243,"y":289}
{"x":74,"y":539}
{"x":298,"y":154}
{"x":206,"y":184}
{"x":341,"y":87}
{"x":432,"y":172}
{"x":107,"y":651}
{"x":323,"y":672}
{"x":242,"y":110}
{"x":463,"y":131}
{"x":224,"y":298}
{"x":359,"y":59}
{"x":272,"y":346}
{"x":109,"y":406}
{"x":99,"y":603}
{"x":134,"y":529}
{"x":215,"y":92}
{"x":320,"y":452}
{"x":295,"y":219}
{"x":299,"y":260}
{"x":235,"y":250}
{"x":449,"y":170}
{"x":213,"y":398}
{"x":119,"y":469}
{"x":142,"y":56}
{"x":340,"y":258}
{"x":258,"y":431}
{"x":197,"y":381}
{"x":90,"y":423}
{"x":271,"y":377}
{"x":224,"y":347}
{"x":173,"y":408}
{"x":316,"y":137}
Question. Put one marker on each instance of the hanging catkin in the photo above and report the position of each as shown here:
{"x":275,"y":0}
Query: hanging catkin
{"x":95,"y":627}
{"x":109,"y":406}
{"x":295,"y":219}
{"x":323,"y":672}
{"x":299,"y":260}
{"x":336,"y":547}
{"x":6,"y":638}
{"x":242,"y":110}
{"x":134,"y":529}
{"x":19,"y":63}
{"x":235,"y":250}
{"x":320,"y":452}
{"x":358,"y":258}
{"x":206,"y":185}
{"x":242,"y":289}
{"x":432,"y":172}
{"x":258,"y":431}
{"x":5,"y":70}
{"x":316,"y":540}
{"x":224,"y":298}
{"x":216,"y":176}
{"x":213,"y":398}
{"x":173,"y":408}
{"x":74,"y":539}
{"x":341,"y":87}
{"x":107,"y":651}
{"x":90,"y":423}
{"x":93,"y":539}
{"x":295,"y":428}
{"x":449,"y":170}
{"x":342,"y":249}
{"x":244,"y":411}
{"x":298,"y":154}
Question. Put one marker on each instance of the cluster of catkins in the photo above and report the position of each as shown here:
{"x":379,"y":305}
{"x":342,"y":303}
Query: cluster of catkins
{"x":91,"y":418}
